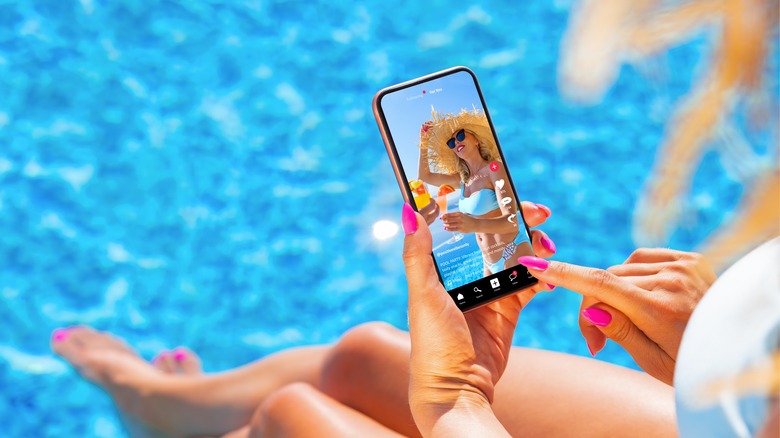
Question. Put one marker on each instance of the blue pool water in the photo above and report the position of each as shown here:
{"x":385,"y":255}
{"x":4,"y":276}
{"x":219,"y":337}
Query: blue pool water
{"x":208,"y":174}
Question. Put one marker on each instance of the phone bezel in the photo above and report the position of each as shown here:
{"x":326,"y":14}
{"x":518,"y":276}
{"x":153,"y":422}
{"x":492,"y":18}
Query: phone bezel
{"x":401,"y":178}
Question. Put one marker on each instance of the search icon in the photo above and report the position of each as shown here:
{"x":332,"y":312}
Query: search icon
{"x":476,"y":289}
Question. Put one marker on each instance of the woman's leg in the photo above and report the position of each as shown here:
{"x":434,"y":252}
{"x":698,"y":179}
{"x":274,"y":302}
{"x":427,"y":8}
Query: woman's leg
{"x":368,"y":371}
{"x":186,"y":404}
{"x":541,"y":393}
{"x":212,"y":404}
{"x":300,"y":410}
{"x":548,"y":394}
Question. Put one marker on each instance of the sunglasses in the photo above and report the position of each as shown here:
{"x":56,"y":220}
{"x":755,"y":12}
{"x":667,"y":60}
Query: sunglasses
{"x":460,"y":135}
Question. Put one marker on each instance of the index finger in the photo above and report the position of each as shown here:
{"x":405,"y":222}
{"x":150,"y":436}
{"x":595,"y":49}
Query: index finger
{"x":654,"y":255}
{"x":599,"y":284}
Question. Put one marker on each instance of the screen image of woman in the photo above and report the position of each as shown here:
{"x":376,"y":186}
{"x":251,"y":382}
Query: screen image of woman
{"x":460,"y":151}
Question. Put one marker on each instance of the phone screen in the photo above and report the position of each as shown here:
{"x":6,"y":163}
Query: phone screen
{"x":451,"y":169}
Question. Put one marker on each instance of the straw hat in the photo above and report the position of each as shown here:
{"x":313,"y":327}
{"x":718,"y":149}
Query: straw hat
{"x":442,"y":127}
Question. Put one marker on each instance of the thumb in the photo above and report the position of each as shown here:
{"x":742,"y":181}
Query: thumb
{"x":426,"y":294}
{"x":595,"y":340}
{"x":616,"y":326}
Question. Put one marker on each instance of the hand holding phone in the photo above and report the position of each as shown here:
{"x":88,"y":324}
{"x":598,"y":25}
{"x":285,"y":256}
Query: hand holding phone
{"x":479,"y":340}
{"x":446,"y":157}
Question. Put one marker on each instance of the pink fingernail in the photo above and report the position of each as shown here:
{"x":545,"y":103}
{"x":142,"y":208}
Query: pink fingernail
{"x":179,"y":355}
{"x":533,"y":262}
{"x":544,"y":208}
{"x":425,"y":128}
{"x":551,"y":286}
{"x":60,"y":335}
{"x":590,"y":350}
{"x":548,"y":244}
{"x":408,"y":219}
{"x":597,"y":316}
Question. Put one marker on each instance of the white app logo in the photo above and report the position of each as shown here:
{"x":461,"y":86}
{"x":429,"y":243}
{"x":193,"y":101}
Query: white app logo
{"x":494,"y":282}
{"x":460,"y":297}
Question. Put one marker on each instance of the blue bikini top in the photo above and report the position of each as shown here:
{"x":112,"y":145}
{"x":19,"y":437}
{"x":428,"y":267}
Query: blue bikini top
{"x":479,"y":203}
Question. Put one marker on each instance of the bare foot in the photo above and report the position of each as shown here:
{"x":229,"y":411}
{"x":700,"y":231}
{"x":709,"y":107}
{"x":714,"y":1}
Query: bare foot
{"x":111,"y":364}
{"x":180,"y":360}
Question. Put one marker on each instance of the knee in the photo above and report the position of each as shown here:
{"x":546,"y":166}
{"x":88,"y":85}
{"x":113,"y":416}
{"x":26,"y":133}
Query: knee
{"x":280,"y":411}
{"x":353,"y":354}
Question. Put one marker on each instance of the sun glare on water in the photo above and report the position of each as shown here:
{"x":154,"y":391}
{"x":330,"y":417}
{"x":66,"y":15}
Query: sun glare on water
{"x":385,"y":229}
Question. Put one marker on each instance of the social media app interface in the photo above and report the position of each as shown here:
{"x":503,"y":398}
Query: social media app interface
{"x":459,"y":183}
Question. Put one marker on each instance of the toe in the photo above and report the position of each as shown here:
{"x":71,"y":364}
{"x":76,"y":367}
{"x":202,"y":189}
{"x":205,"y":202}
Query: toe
{"x":63,"y":345}
{"x":75,"y":345}
{"x":69,"y":343}
{"x":165,"y":362}
{"x":97,"y":356}
{"x":188,"y":362}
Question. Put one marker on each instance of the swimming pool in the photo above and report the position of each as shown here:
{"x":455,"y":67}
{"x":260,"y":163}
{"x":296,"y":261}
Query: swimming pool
{"x":207,"y":174}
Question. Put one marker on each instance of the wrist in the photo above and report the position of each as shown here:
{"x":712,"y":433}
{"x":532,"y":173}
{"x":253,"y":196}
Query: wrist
{"x":466,"y":385}
{"x":468,"y":415}
{"x":472,"y":224}
{"x":434,"y":398}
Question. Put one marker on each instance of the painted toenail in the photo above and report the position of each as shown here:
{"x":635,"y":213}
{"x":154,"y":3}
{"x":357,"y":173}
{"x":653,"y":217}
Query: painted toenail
{"x":59,"y":335}
{"x":179,"y":355}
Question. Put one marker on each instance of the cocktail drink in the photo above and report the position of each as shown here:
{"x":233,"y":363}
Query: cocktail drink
{"x":421,"y":196}
{"x":444,"y":192}
{"x":441,"y":201}
{"x":441,"y":197}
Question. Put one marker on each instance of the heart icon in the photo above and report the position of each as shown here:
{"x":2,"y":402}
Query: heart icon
{"x":500,"y":184}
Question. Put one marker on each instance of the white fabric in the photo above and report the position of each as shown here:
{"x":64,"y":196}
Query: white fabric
{"x":736,"y":326}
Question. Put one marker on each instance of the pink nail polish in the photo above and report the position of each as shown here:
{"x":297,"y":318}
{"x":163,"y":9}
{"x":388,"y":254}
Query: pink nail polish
{"x":179,"y":355}
{"x":551,"y":286}
{"x":545,"y":209}
{"x":548,"y":244}
{"x":533,"y":262}
{"x":597,"y":316}
{"x":408,"y":219}
{"x":60,"y":335}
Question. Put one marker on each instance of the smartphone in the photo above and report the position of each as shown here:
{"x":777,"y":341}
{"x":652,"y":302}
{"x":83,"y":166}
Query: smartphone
{"x":450,"y":167}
